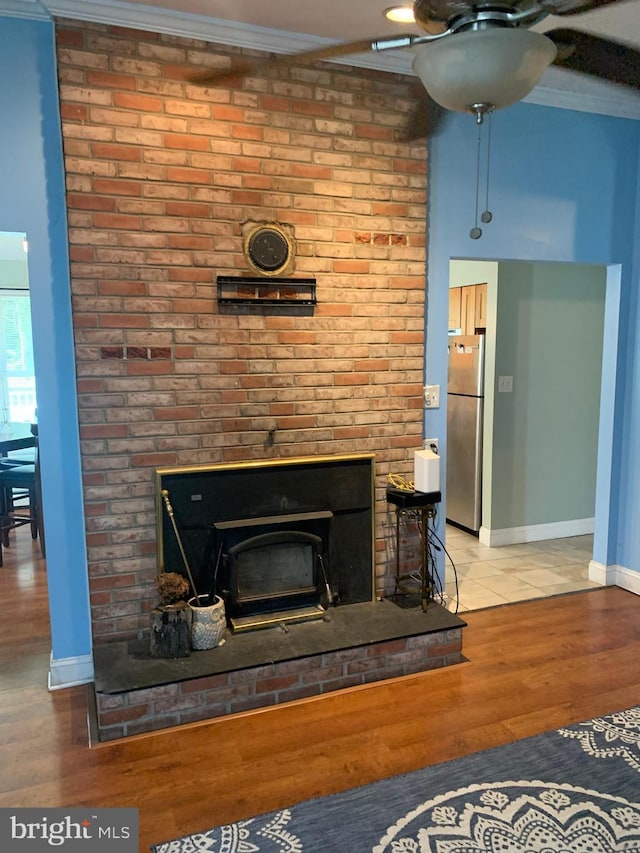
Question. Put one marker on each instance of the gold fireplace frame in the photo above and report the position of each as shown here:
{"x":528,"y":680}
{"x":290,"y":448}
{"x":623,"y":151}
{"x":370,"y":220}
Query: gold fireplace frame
{"x":257,"y":464}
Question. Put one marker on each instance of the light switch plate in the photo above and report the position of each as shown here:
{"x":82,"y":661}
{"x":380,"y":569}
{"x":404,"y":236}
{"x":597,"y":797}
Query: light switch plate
{"x":432,"y":396}
{"x":505,"y":384}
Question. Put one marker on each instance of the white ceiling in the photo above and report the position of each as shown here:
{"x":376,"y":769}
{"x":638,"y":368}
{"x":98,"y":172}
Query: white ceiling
{"x":346,"y":20}
{"x":287,"y":26}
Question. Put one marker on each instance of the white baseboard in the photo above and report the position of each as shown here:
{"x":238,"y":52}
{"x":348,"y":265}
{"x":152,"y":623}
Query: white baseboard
{"x":615,"y":576}
{"x":599,"y":573}
{"x":537,"y":532}
{"x":67,"y":672}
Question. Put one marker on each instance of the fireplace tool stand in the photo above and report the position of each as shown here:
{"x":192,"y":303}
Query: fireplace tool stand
{"x":208,"y":610}
{"x":167,"y":503}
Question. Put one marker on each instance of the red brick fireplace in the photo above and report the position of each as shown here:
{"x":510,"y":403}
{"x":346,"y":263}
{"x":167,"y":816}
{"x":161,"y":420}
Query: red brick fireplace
{"x":162,"y":177}
{"x":208,"y":517}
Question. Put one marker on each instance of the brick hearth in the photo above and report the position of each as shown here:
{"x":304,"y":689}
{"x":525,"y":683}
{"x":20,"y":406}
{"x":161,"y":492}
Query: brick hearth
{"x":212,"y":684}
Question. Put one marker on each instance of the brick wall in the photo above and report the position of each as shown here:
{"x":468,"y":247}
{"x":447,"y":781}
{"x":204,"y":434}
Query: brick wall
{"x":161,"y":176}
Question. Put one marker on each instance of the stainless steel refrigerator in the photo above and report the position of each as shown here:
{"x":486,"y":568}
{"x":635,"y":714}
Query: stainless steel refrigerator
{"x":465,"y":399}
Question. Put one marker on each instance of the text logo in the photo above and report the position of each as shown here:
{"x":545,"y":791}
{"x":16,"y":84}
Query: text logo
{"x":32,"y":830}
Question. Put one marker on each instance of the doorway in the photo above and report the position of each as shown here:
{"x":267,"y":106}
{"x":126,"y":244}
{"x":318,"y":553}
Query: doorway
{"x":17,"y":375}
{"x":546,"y":335}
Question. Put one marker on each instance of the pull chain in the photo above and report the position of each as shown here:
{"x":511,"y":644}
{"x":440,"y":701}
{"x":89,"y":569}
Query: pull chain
{"x":487,"y":216}
{"x":480,"y":111}
{"x":476,"y":232}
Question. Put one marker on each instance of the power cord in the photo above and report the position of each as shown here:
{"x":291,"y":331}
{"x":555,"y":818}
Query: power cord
{"x":439,"y":545}
{"x":397,"y":481}
{"x":433,"y":544}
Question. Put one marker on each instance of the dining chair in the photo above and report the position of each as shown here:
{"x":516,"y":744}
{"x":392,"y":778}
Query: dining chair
{"x":26,"y":456}
{"x":19,"y":482}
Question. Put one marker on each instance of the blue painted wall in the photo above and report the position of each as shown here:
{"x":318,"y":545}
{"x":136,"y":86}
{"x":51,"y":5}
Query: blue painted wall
{"x":564,"y":187}
{"x":32,"y":200}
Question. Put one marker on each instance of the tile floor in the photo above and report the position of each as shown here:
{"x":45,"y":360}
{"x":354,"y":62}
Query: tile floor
{"x":507,"y":573}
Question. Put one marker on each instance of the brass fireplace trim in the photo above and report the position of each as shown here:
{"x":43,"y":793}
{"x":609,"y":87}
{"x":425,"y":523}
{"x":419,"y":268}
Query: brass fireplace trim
{"x":265,"y":463}
{"x":280,"y":617}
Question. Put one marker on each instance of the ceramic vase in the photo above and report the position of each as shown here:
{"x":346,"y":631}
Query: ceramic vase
{"x":208,"y":623}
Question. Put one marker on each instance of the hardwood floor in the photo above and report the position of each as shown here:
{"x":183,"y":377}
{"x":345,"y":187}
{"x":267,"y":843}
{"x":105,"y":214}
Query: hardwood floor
{"x":532,"y":666}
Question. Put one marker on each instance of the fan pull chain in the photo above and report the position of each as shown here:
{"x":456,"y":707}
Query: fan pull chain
{"x":476,"y":231}
{"x":481,"y":110}
{"x":487,"y":216}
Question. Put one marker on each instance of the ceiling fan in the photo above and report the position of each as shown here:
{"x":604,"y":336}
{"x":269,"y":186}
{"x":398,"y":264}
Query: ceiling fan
{"x":478,"y":56}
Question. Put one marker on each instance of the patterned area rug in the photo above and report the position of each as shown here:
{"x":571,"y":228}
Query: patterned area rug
{"x":574,"y":790}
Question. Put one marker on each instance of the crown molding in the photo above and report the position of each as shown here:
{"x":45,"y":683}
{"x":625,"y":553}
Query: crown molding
{"x":569,"y":90}
{"x":216,"y":30}
{"x":24,"y":9}
{"x":558,"y":88}
{"x":614,"y":106}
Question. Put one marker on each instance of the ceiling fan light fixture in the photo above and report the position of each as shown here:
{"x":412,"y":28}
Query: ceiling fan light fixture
{"x":496,"y":67}
{"x":400,"y":14}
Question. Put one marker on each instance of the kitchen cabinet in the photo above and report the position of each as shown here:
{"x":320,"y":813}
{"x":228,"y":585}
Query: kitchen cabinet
{"x":468,"y":308}
{"x":481,"y":306}
{"x":455,"y":297}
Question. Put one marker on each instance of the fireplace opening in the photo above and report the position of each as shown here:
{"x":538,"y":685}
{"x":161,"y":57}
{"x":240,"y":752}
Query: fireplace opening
{"x":216,"y":507}
{"x":274,"y":569}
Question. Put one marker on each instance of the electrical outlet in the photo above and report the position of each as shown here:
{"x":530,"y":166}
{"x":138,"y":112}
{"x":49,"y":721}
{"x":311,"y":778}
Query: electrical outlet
{"x":428,"y":444}
{"x":432,"y":396}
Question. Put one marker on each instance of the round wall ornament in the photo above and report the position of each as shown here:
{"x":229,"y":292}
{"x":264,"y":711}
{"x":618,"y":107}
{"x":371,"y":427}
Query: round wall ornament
{"x":268,"y":249}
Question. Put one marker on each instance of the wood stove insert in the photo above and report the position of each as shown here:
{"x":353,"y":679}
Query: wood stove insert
{"x":279,"y":540}
{"x":273,"y":569}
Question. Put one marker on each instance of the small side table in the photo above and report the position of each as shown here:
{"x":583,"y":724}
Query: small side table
{"x":425,"y":502}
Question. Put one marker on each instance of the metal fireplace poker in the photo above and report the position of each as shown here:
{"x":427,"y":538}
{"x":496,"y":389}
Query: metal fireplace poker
{"x":169,"y":508}
{"x":209,"y":621}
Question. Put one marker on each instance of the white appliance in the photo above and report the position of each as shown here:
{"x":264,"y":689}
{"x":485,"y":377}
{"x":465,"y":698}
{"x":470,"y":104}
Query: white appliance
{"x":426,"y":471}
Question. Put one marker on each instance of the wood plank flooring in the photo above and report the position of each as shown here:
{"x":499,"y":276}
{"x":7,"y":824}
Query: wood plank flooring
{"x":531,"y":667}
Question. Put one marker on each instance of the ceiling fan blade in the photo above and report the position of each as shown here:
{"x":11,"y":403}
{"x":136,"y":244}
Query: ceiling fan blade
{"x":574,"y":7}
{"x":425,"y":119}
{"x":244,"y":67}
{"x":598,"y":57}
